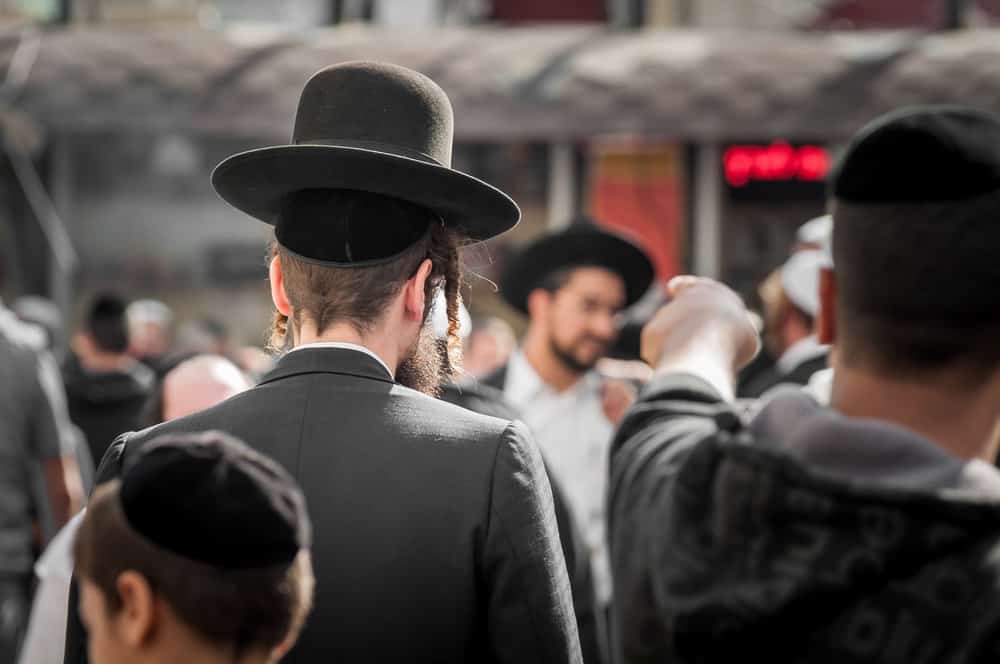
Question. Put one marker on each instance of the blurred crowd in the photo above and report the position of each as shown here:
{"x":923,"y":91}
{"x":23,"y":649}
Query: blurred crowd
{"x":651,"y":472}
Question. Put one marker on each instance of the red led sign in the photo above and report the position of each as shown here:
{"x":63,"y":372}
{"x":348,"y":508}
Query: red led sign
{"x":776,"y":162}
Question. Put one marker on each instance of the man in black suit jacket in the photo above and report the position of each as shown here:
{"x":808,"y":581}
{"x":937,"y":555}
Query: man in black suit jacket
{"x":434,"y":533}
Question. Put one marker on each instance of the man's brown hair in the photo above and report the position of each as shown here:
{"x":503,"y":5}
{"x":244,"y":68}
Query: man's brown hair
{"x":360,"y":295}
{"x":245,"y":609}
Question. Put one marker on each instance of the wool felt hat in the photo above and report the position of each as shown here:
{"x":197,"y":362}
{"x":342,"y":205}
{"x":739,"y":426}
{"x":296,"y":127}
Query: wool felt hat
{"x":925,"y":154}
{"x":365,"y":127}
{"x":210,"y":498}
{"x":582,"y":244}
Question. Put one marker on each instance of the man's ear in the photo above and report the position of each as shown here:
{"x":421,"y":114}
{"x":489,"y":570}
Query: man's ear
{"x":826,"y":320}
{"x":414,"y":295}
{"x":539,"y":302}
{"x":278,"y":295}
{"x":138,"y":615}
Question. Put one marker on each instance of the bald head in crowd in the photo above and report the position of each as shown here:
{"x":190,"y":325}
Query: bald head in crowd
{"x":200,"y":383}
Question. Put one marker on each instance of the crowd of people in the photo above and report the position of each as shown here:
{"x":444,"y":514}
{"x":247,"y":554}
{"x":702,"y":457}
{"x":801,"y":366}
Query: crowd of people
{"x":816,"y":484}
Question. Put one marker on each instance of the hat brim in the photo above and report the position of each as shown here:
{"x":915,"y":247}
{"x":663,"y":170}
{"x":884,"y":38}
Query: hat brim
{"x":591,"y":248}
{"x":257,"y":181}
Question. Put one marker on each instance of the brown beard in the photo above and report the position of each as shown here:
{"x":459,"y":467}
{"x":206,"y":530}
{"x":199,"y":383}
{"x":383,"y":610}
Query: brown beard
{"x":426,"y":367}
{"x":569,"y":359}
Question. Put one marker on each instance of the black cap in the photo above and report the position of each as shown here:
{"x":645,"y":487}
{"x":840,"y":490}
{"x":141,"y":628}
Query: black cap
{"x":210,"y":498}
{"x":921,"y":154}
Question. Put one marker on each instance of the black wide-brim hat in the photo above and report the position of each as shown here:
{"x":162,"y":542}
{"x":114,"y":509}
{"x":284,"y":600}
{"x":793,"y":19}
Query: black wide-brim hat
{"x":369,"y":127}
{"x":582,"y":244}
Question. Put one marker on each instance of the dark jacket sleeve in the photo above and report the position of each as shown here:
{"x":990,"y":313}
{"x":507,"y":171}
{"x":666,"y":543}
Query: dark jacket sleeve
{"x":76,"y":637}
{"x":673,"y":413}
{"x":589,"y":623}
{"x":529,"y":605}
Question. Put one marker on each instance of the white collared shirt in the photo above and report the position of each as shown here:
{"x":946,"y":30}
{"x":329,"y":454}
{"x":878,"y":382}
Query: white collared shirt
{"x":346,"y":346}
{"x":575,"y":438}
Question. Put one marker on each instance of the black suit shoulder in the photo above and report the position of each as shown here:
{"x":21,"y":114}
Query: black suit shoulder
{"x":413,"y":413}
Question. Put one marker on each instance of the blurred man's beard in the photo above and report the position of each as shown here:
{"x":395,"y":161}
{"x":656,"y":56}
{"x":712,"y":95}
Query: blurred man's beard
{"x":569,"y":359}
{"x":425,"y":368}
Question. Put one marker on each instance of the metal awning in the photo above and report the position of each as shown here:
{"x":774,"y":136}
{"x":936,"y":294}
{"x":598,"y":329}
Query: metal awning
{"x":536,"y":83}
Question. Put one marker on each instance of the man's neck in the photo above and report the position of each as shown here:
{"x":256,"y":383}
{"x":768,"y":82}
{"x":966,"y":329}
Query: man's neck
{"x":538,"y":352}
{"x":961,"y":421}
{"x":383,"y":345}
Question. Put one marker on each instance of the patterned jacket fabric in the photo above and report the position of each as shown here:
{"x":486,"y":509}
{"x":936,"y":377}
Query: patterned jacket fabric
{"x":796,"y":535}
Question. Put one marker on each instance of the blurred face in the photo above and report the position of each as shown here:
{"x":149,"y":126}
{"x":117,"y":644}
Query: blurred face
{"x":581,"y":317}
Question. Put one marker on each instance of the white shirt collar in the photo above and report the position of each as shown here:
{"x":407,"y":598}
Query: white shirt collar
{"x":799,"y":352}
{"x":346,"y":346}
{"x":523,"y":383}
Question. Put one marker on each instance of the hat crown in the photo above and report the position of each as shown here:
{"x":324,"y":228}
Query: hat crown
{"x":376,"y":106}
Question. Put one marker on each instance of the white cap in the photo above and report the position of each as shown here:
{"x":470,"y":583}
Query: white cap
{"x":800,"y":279}
{"x":816,"y":232}
{"x":439,"y":318}
{"x":149,"y":311}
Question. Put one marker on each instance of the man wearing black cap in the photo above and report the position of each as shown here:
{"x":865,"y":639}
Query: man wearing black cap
{"x":572,"y":284}
{"x":220,"y":572}
{"x":868,"y":531}
{"x":435,"y":538}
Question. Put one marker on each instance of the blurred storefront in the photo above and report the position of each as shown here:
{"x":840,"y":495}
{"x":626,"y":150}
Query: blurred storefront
{"x":713,"y":149}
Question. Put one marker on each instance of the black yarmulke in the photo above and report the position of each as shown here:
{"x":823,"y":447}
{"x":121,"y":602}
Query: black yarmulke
{"x":210,"y":498}
{"x":921,"y":155}
{"x":347,"y":228}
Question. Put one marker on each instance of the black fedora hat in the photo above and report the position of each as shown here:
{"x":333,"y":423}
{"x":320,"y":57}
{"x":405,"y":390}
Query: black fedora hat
{"x":582,"y":244}
{"x":370,"y":127}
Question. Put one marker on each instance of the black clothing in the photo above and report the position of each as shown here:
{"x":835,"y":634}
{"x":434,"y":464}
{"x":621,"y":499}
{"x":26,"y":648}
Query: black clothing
{"x":486,"y":400}
{"x":798,"y":535}
{"x":15,"y":607}
{"x":434,"y":537}
{"x":774,"y":376}
{"x":106,"y":404}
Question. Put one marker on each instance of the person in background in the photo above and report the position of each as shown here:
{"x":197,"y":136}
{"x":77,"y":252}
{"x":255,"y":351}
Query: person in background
{"x":435,"y":535}
{"x":866,"y":531}
{"x":488,"y":347}
{"x":791,"y":303}
{"x":39,"y":477}
{"x":205,"y":335}
{"x":573,"y":284}
{"x":43,"y":313}
{"x":217,"y":573}
{"x":195,"y":384}
{"x":762,"y":374}
{"x":151,"y":332}
{"x":45,"y":316}
{"x":105,"y":387}
{"x":484,"y":399}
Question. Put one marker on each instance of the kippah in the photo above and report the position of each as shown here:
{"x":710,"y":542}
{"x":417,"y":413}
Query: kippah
{"x":921,"y":155}
{"x":210,"y":498}
{"x":347,"y":228}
